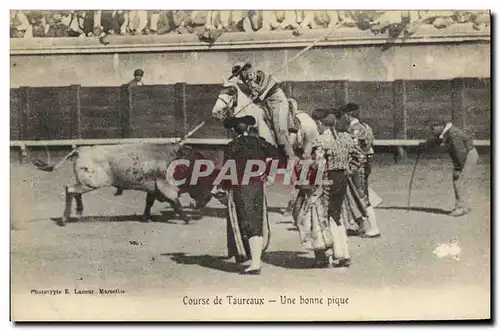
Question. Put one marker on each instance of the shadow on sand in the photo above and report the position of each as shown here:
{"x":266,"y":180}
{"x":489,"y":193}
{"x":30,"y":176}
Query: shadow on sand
{"x":284,"y":259}
{"x":288,"y":259}
{"x":220,"y":263}
{"x":437,"y":211}
{"x":168,"y":217}
{"x":221,"y":212}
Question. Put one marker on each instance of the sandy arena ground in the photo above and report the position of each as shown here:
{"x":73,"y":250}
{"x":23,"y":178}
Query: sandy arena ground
{"x":158,"y":264}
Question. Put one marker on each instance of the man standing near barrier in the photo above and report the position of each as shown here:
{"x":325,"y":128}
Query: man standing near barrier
{"x":137,"y":81}
{"x":265,"y":89}
{"x":463,"y":155}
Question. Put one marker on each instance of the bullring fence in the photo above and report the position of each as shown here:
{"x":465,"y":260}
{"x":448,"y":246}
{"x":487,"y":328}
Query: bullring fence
{"x":77,"y":115}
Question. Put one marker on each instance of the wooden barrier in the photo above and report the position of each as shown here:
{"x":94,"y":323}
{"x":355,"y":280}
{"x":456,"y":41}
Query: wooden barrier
{"x":396,"y":110}
{"x":210,"y":144}
{"x":190,"y":141}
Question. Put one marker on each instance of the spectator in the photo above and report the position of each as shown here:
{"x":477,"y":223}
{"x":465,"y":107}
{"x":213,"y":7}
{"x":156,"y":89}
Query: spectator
{"x":111,"y":21}
{"x":82,"y":24}
{"x":153,"y":18}
{"x":58,"y":25}
{"x":364,"y":18}
{"x":394,"y":21}
{"x":346,"y":19}
{"x":230,"y":20}
{"x":480,"y":20}
{"x":180,"y":21}
{"x":325,"y":19}
{"x":305,"y":18}
{"x":19,"y":25}
{"x":137,"y":21}
{"x":287,"y":20}
{"x":165,"y":22}
{"x":38,"y":21}
{"x":25,"y":24}
{"x":137,"y":81}
{"x":252,"y":21}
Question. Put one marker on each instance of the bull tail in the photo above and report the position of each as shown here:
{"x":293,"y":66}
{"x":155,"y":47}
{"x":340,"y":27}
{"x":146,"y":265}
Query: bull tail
{"x":44,"y":166}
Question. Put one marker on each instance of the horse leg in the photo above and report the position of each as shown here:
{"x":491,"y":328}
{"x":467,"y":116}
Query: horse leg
{"x":150,"y":200}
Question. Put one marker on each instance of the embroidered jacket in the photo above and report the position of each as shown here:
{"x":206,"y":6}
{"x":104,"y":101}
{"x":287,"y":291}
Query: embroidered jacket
{"x":261,"y":84}
{"x":341,"y":151}
{"x":362,"y":134}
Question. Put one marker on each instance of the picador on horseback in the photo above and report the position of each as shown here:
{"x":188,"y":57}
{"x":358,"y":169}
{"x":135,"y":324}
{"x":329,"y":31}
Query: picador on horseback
{"x":265,"y":90}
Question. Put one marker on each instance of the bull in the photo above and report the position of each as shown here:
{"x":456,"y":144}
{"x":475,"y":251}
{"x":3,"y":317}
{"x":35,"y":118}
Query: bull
{"x":141,"y":167}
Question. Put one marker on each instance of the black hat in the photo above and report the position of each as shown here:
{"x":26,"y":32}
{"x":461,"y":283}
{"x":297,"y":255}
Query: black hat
{"x":232,"y":122}
{"x":138,"y":72}
{"x":320,"y":113}
{"x":350,"y":107}
{"x":326,"y":115}
{"x":238,"y":68}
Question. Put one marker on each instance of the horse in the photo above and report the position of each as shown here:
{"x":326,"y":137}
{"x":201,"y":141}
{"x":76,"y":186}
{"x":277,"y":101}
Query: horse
{"x":231,"y":101}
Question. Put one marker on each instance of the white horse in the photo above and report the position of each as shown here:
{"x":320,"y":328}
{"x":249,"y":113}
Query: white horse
{"x":233,"y":102}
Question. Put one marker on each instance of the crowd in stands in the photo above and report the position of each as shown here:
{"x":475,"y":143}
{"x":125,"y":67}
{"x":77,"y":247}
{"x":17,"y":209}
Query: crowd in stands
{"x":37,"y":24}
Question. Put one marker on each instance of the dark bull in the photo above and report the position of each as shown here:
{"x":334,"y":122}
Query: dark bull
{"x":140,"y":167}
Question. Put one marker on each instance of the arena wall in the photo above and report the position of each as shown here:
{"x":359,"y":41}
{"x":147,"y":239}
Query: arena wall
{"x":70,"y":88}
{"x":169,"y":59}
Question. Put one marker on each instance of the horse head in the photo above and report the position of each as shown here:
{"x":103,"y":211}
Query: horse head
{"x":227,"y":101}
{"x":232,"y":101}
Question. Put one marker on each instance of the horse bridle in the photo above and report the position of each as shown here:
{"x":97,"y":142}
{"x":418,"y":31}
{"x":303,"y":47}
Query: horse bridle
{"x":229,"y":105}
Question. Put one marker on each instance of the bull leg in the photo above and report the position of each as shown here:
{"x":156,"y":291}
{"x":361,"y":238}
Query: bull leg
{"x":67,"y":209}
{"x":171,"y":193}
{"x":176,"y":204}
{"x":150,"y":200}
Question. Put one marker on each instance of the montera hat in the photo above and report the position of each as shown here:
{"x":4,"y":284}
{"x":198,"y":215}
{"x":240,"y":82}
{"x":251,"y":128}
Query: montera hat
{"x":238,"y":68}
{"x":234,"y":121}
{"x":350,"y":107}
{"x":138,"y":72}
{"x":320,"y":113}
{"x":326,"y":116}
